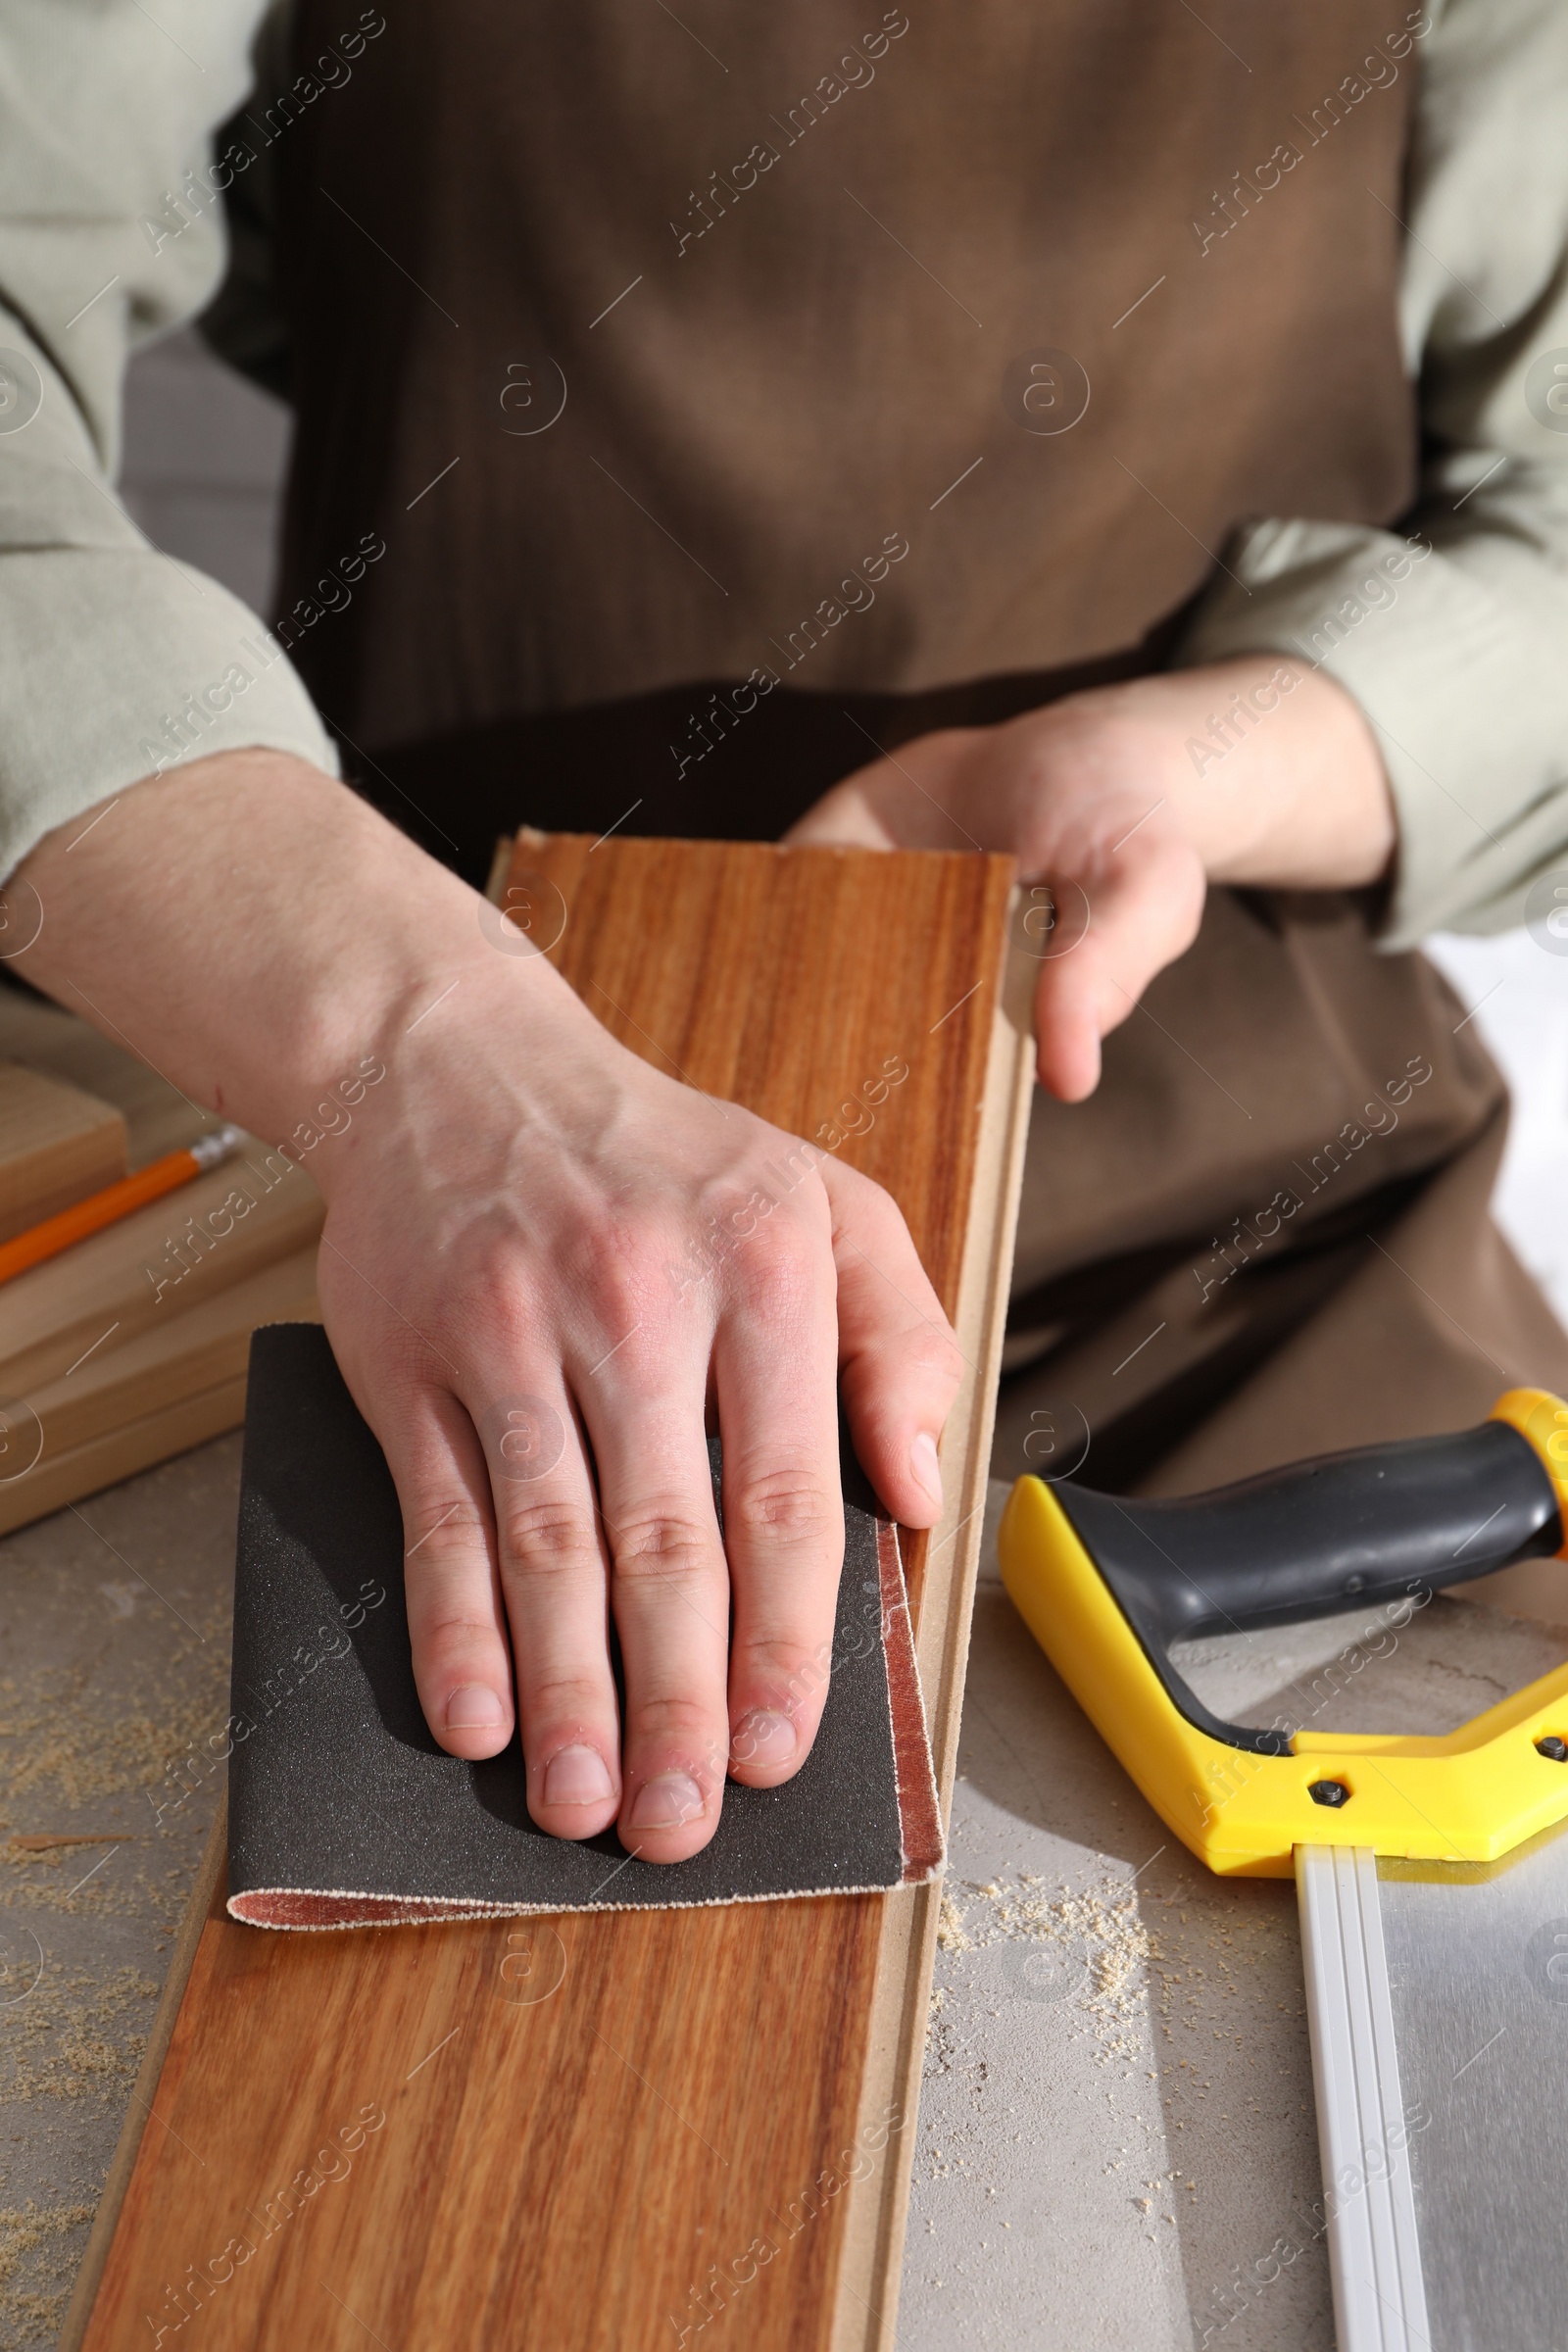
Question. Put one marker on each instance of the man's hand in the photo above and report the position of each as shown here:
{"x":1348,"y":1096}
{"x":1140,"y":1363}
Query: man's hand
{"x":1124,"y":804}
{"x":544,"y":1265}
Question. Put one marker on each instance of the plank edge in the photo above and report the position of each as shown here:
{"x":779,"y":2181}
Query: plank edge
{"x":870,"y":2259}
{"x":117,"y":1454}
{"x":117,"y":2178}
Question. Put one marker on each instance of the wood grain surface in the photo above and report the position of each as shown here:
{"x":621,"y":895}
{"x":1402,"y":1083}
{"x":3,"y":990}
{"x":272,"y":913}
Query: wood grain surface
{"x":638,"y":2129}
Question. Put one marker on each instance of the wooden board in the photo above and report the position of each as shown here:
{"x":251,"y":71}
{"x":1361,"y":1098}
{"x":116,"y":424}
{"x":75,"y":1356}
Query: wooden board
{"x":57,"y":1145}
{"x":171,"y":1387}
{"x":131,"y":1346}
{"x":604,"y":2129}
{"x":147,"y":1271}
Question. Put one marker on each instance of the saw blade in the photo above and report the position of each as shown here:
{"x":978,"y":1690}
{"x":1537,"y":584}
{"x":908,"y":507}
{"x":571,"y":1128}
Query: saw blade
{"x":1438,"y":1999}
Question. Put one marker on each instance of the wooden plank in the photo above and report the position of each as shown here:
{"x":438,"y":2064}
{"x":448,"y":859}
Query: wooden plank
{"x":158,"y":1117}
{"x":57,"y":1145}
{"x":171,"y":1387}
{"x":138,"y":1446}
{"x":145,"y":1271}
{"x":381,"y":2135}
{"x":113,"y":1355}
{"x":208,"y":1344}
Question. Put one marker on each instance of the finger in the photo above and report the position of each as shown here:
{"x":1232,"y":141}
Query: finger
{"x":900,"y":1364}
{"x":1143,"y":912}
{"x":457,"y":1624}
{"x":670,"y":1583}
{"x":842,"y":818}
{"x":775,"y":1363}
{"x":554,"y":1576}
{"x":905,"y":801}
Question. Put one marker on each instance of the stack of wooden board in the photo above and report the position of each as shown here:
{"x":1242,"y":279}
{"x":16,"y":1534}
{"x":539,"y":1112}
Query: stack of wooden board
{"x":615,"y":2130}
{"x":57,"y":1145}
{"x":131,"y":1344}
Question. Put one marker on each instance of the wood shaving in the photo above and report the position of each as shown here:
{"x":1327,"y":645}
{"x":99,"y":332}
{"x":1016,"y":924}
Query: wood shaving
{"x":44,"y":1843}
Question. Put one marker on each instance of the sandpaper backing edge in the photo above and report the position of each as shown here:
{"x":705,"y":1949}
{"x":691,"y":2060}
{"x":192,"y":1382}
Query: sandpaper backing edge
{"x":913,"y":1770}
{"x":287,"y":1909}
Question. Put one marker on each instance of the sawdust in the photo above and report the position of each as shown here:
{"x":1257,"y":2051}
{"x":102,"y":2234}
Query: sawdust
{"x":32,"y":2305}
{"x":950,"y":1935}
{"x":119,"y":1890}
{"x":1103,"y":1932}
{"x":1238,"y":1943}
{"x":940,"y":2036}
{"x":73,"y":2035}
{"x":113,"y":1708}
{"x":53,"y":1738}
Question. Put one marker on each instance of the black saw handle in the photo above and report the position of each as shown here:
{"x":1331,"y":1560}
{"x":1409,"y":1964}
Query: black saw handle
{"x":1343,"y":1531}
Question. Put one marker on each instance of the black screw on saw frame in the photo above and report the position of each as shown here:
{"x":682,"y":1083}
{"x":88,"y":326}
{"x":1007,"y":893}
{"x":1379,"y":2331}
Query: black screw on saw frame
{"x":1552,"y":1746}
{"x":1328,"y":1793}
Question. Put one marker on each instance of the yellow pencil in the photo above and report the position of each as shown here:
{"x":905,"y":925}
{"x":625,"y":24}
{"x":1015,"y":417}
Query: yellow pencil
{"x":116,"y":1200}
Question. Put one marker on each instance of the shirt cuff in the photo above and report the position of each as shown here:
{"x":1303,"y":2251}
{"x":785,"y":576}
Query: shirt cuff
{"x":119,"y":666}
{"x":1460,"y":668}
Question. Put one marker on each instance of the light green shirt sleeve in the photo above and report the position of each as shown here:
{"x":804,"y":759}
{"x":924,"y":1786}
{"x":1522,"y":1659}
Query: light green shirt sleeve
{"x":116,"y":661}
{"x":1457,"y":656}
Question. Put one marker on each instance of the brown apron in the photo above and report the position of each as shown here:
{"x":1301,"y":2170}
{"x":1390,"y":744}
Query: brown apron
{"x":736,"y":393}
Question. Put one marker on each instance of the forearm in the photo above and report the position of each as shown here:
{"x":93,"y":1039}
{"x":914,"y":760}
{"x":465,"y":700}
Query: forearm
{"x":1268,"y":769}
{"x":255,"y":931}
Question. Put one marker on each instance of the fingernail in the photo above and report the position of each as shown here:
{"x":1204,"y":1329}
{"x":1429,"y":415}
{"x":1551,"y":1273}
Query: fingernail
{"x":923,"y":1467}
{"x":474,"y":1707}
{"x":764,"y":1738}
{"x":577,"y":1776}
{"x":665,"y":1802}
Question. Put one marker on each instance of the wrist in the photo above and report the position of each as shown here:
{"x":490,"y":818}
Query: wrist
{"x":468,"y":1029}
{"x":1268,"y":767}
{"x":260,"y":935}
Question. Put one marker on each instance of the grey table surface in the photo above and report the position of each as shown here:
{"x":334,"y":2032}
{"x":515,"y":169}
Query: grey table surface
{"x":114,"y":1668}
{"x":1115,"y":2142}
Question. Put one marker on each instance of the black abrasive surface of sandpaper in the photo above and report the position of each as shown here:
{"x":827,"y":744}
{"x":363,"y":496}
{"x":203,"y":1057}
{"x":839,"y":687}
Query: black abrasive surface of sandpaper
{"x":338,"y":1790}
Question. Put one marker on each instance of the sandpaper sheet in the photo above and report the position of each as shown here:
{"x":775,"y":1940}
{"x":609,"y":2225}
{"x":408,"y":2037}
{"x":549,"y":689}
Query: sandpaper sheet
{"x":344,"y":1812}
